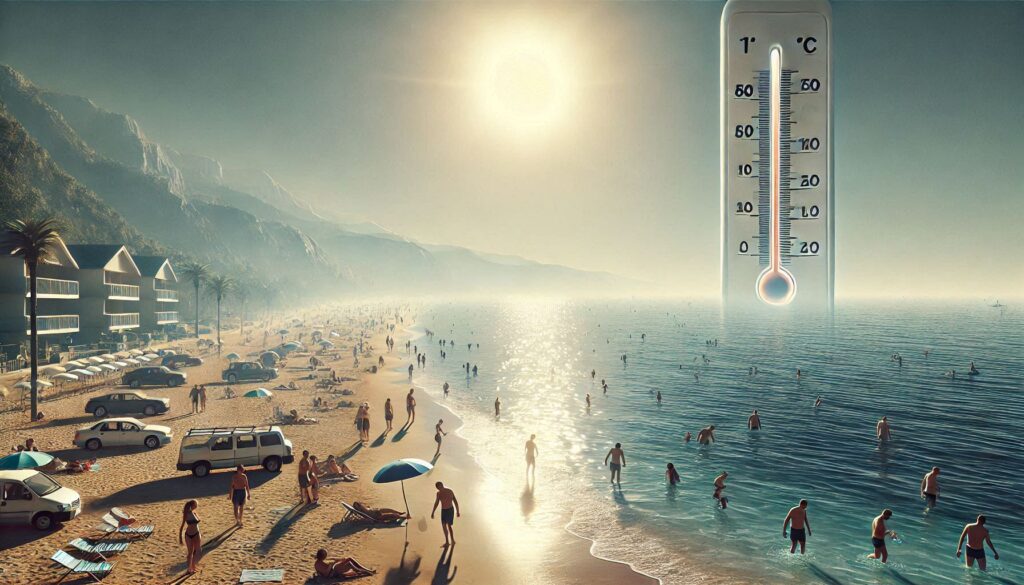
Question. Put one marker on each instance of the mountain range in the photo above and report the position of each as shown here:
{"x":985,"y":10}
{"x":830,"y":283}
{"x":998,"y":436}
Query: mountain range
{"x":107,"y":182}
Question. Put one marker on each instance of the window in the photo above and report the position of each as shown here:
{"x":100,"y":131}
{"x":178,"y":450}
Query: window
{"x":245,"y":442}
{"x":14,"y":491}
{"x":114,"y":397}
{"x":130,"y":397}
{"x":270,"y":439}
{"x":129,"y":427}
{"x":221,"y":444}
{"x":41,"y":484}
{"x":108,"y":427}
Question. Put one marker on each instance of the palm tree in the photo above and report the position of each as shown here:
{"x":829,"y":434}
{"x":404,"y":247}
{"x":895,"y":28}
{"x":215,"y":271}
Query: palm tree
{"x":34,"y":241}
{"x":220,"y":286}
{"x":242,"y":294}
{"x":196,"y":273}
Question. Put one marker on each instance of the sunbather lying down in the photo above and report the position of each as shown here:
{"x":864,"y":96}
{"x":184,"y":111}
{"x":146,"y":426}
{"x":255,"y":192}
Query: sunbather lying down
{"x":346,"y":568}
{"x":334,"y":468}
{"x":380,"y":514}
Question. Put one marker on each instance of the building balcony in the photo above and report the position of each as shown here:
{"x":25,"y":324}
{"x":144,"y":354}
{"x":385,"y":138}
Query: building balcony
{"x":53,"y":324}
{"x":118,"y":321}
{"x":53,"y":288}
{"x":166,"y":317}
{"x":166,"y":295}
{"x":122,"y":292}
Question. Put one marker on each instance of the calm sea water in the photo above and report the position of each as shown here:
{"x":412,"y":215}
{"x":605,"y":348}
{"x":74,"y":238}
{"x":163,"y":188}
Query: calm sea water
{"x":538,"y":356}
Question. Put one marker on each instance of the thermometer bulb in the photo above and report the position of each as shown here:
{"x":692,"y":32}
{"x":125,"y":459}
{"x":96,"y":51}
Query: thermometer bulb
{"x":776,"y":286}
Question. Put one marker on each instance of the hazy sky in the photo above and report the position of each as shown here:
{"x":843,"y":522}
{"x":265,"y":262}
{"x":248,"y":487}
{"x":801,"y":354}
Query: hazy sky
{"x":376,"y":109}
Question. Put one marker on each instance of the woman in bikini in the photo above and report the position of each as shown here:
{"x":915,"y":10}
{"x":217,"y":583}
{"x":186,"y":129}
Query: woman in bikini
{"x":193,"y":539}
{"x":314,"y":479}
{"x":438,"y":435}
{"x":239,"y":493}
{"x":346,"y":568}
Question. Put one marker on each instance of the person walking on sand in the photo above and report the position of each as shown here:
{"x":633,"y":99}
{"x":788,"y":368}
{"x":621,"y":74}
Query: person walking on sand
{"x":618,"y":458}
{"x":878,"y":533}
{"x":930,"y":487}
{"x":531,"y":455}
{"x":883,"y":431}
{"x":410,"y":407}
{"x":719,"y":486}
{"x":706,"y":436}
{"x":363,"y":422}
{"x":449,"y":510}
{"x":801,"y":527}
{"x":389,"y":415}
{"x":314,"y":479}
{"x":754,"y":421}
{"x":304,"y":478}
{"x":239,"y":493}
{"x":438,"y":437}
{"x":194,"y":397}
{"x":202,"y":398}
{"x":193,"y":539}
{"x":976,"y":535}
{"x":497,"y":407}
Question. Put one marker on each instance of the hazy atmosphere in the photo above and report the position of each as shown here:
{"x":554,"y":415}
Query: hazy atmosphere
{"x":582,"y":134}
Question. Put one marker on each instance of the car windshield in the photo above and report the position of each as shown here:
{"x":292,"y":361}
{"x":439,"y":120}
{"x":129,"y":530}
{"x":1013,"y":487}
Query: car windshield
{"x":194,"y":442}
{"x":41,"y":484}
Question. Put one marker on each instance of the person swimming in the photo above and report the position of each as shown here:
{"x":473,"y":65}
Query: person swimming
{"x":754,"y":421}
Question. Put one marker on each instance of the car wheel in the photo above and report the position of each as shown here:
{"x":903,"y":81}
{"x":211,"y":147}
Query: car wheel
{"x":272,"y":464}
{"x":171,"y":383}
{"x":43,"y":521}
{"x":152,"y":442}
{"x":93,"y":444}
{"x":149,"y":411}
{"x":201,"y":469}
{"x":232,"y":378}
{"x":100,"y":412}
{"x":135,"y":384}
{"x":266,"y":378}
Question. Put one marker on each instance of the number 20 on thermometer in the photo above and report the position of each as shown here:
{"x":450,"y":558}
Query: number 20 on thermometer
{"x":778,"y":220}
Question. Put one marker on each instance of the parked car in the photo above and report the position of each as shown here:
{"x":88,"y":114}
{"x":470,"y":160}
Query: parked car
{"x":180,"y":360}
{"x":219,"y":448}
{"x":248,"y":371}
{"x":32,"y":497}
{"x":154,"y":376}
{"x":121,"y":432}
{"x":127,"y":403}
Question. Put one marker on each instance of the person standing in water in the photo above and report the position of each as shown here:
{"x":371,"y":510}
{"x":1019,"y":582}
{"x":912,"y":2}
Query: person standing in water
{"x":239,"y":493}
{"x":618,"y":457}
{"x":497,"y":407}
{"x":588,"y":400}
{"x":754,"y":422}
{"x":672,"y":475}
{"x":531,"y":455}
{"x":976,"y":535}
{"x":445,"y":388}
{"x":659,"y":396}
{"x":797,"y":534}
{"x":878,"y":533}
{"x":449,"y":510}
{"x":410,"y":407}
{"x":719,"y":486}
{"x":882,"y":430}
{"x":706,"y":436}
{"x":930,"y":487}
{"x":817,"y":402}
{"x":687,"y":436}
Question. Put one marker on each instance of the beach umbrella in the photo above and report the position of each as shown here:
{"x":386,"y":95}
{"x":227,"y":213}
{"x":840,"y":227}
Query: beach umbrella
{"x":109,"y":357}
{"x":82,"y":372}
{"x":401,"y":470}
{"x":133,"y":361}
{"x":51,"y":370}
{"x":122,"y":354}
{"x":26,"y":385}
{"x":136,"y":352}
{"x":96,"y":360}
{"x":232,"y":356}
{"x":121,"y":364}
{"x":258,"y":393}
{"x":95,"y":369}
{"x":109,"y":367}
{"x":65,"y":376}
{"x":25,"y":460}
{"x":151,"y":356}
{"x":325,"y":343}
{"x":75,"y":364}
{"x":282,"y":331}
{"x":141,"y":358}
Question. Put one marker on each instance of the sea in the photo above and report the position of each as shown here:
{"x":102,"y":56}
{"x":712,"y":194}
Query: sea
{"x":865,"y":361}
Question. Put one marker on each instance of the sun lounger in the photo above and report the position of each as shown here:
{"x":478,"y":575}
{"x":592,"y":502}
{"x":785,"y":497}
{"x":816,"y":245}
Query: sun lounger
{"x":110,"y":525}
{"x":80,"y":567}
{"x":100,"y":549}
{"x":359,"y":517}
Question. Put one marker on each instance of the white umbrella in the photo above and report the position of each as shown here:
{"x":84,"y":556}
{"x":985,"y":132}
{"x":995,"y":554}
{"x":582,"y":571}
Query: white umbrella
{"x":133,"y":361}
{"x":151,"y":356}
{"x":75,"y":364}
{"x":110,"y":367}
{"x":51,"y":370}
{"x":109,"y":357}
{"x":121,"y":364}
{"x":96,"y":359}
{"x":136,"y":352}
{"x":83,"y":372}
{"x":95,"y":369}
{"x":25,"y":384}
{"x":65,"y":376}
{"x":122,"y":354}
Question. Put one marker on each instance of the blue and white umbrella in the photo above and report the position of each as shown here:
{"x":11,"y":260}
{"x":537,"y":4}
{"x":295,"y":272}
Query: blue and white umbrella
{"x":401,"y":470}
{"x":25,"y":460}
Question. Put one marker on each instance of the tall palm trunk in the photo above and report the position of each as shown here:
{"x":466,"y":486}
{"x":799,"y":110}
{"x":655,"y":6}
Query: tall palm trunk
{"x":33,"y":338}
{"x":197,"y":309}
{"x":218,"y":324}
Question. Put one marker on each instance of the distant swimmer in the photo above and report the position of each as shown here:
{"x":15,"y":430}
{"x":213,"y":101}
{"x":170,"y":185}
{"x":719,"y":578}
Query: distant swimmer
{"x":882,"y":430}
{"x":672,"y":475}
{"x":930,"y":487}
{"x":659,"y":396}
{"x":531,"y":454}
{"x":410,"y":371}
{"x":719,"y":486}
{"x":687,"y":437}
{"x":754,"y":421}
{"x":696,"y":378}
{"x":593,"y":374}
{"x":798,"y":516}
{"x":976,"y":535}
{"x":445,"y":388}
{"x":798,"y":374}
{"x":926,"y":352}
{"x":497,"y":407}
{"x":618,"y":457}
{"x":588,"y":400}
{"x":706,"y":436}
{"x":878,"y":533}
{"x":973,"y":371}
{"x":817,"y":402}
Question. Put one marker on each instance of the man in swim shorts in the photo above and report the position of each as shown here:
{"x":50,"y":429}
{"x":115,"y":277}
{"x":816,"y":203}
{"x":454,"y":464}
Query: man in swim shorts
{"x":976,"y":535}
{"x":878,"y":533}
{"x":618,"y":457}
{"x":930,"y":487}
{"x":798,"y":533}
{"x":449,"y":510}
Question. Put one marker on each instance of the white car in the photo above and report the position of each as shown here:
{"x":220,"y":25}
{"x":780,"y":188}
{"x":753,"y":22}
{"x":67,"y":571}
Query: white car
{"x":226,"y":447}
{"x":120,"y":432}
{"x":28,"y":496}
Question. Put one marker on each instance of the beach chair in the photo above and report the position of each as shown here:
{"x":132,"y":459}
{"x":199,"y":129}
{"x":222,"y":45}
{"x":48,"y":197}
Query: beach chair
{"x":358,"y":517}
{"x":110,"y":525}
{"x":80,"y":567}
{"x":99,"y":548}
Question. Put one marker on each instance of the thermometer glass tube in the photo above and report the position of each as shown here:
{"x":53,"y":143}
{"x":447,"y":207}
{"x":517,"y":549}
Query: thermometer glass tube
{"x":777,"y":194}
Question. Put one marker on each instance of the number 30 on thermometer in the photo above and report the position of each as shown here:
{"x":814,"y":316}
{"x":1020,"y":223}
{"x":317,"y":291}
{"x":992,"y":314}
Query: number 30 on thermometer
{"x":778,"y":220}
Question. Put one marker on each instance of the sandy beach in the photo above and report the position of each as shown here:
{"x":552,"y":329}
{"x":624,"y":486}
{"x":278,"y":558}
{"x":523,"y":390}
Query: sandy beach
{"x":278,"y":531}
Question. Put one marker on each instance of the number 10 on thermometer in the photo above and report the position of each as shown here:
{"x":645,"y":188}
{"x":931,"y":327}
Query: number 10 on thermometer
{"x":778,"y":219}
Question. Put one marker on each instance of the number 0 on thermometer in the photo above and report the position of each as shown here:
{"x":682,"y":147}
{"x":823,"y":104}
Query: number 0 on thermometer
{"x":777,"y":190}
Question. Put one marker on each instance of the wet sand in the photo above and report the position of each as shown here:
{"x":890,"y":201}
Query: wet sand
{"x":279,"y":532}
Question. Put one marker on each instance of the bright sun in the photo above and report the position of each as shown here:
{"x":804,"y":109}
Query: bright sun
{"x":524,"y":83}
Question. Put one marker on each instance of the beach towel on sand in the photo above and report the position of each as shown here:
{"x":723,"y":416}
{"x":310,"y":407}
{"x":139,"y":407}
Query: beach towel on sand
{"x":261,"y":576}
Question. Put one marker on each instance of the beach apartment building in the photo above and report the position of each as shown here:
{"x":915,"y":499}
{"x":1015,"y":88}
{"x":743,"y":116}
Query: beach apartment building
{"x":57,"y":292}
{"x":110,"y":287}
{"x":159,"y":303}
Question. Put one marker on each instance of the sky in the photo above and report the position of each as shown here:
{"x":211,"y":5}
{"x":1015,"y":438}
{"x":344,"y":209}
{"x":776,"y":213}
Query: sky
{"x":578,"y":133}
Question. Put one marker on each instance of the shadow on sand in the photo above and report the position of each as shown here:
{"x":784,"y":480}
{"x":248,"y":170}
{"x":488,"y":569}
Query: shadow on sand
{"x":379,"y":440}
{"x":281,"y":528}
{"x":174,"y":488}
{"x":208,"y":546}
{"x":15,"y":536}
{"x":404,"y":573}
{"x":443,"y":572}
{"x":401,"y":433}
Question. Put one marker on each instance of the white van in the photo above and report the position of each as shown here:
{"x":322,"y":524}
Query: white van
{"x":31,"y":497}
{"x":220,"y":448}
